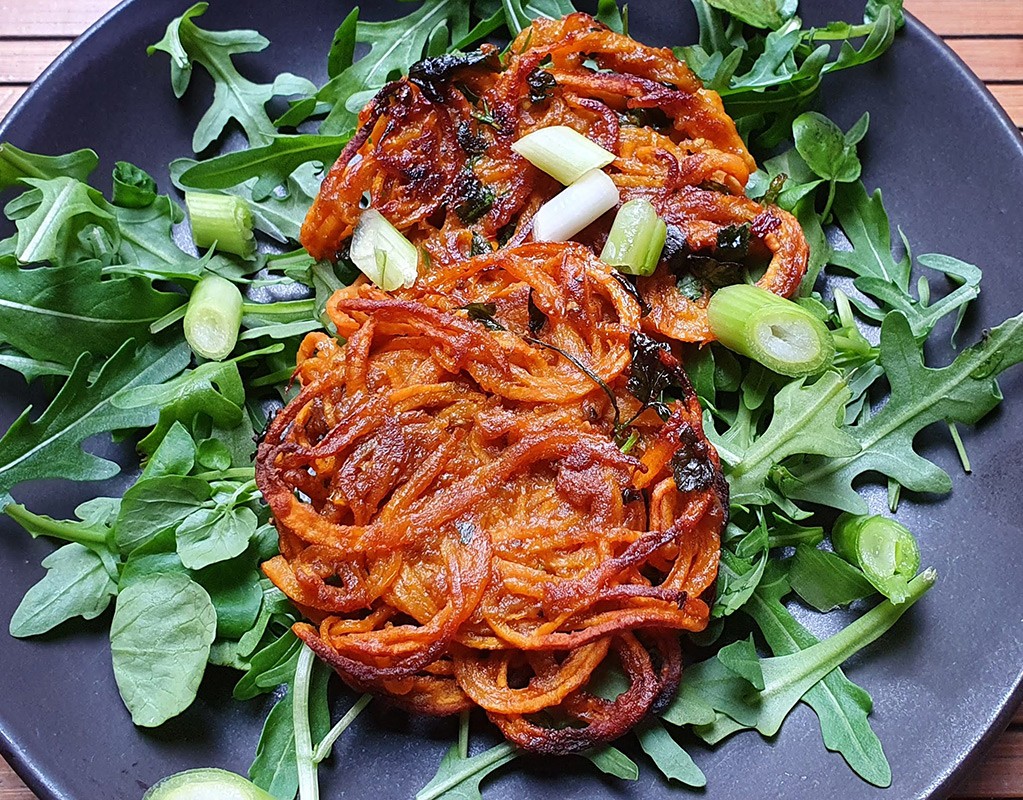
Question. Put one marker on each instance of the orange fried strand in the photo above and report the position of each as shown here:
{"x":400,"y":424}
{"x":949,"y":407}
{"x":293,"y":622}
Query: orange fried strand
{"x":435,"y":158}
{"x":456,"y":513}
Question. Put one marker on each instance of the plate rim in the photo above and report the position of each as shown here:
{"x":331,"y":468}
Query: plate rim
{"x":945,"y":784}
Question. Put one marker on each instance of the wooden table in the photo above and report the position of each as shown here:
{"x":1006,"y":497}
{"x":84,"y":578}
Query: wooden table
{"x":987,"y":34}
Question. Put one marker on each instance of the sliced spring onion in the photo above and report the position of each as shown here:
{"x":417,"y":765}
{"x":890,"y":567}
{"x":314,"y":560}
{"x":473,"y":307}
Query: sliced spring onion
{"x":636,"y":240}
{"x":572,"y":209}
{"x":213,"y":317}
{"x":778,"y":333}
{"x":884,"y":549}
{"x":206,"y":784}
{"x":563,"y":153}
{"x":382,"y":254}
{"x":222,"y":220}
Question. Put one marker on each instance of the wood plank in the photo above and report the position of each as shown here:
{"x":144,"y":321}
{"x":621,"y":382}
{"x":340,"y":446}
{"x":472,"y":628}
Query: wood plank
{"x":969,"y":17}
{"x":992,"y":59}
{"x":40,"y":19}
{"x":1011,"y":98}
{"x":11,"y":787}
{"x":8,"y":97}
{"x":1001,"y":774}
{"x":22,"y":60}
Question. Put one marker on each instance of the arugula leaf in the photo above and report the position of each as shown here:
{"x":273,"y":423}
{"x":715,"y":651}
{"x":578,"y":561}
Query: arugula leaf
{"x":841,"y":706}
{"x":342,"y":48}
{"x":770,"y":14}
{"x":214,"y":390}
{"x":17,"y":164}
{"x":77,"y":584}
{"x":93,"y":315}
{"x":271,"y":164}
{"x":160,"y":640}
{"x":459,"y":778}
{"x":612,"y":16}
{"x":786,"y":678}
{"x":807,"y":419}
{"x":612,"y":761}
{"x":234,"y":96}
{"x":275,"y":768}
{"x":394,"y":46}
{"x":864,"y":220}
{"x":31,"y":368}
{"x":50,"y":447}
{"x":825,"y":581}
{"x":964,"y":391}
{"x":61,"y":209}
{"x":742,"y":659}
{"x":147,"y":241}
{"x":92,"y":529}
{"x":668,"y":756}
{"x":740,"y":570}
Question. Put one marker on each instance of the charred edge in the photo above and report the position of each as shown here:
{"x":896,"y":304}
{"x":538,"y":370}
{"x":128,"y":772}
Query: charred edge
{"x":433,"y":75}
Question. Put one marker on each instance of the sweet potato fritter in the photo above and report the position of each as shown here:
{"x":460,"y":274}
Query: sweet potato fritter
{"x":433,"y":152}
{"x":456,"y":512}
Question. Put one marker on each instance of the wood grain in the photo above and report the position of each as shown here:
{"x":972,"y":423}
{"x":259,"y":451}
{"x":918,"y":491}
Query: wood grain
{"x":970,"y":17}
{"x":992,"y":59}
{"x":21,"y":60}
{"x":987,"y":34}
{"x":50,"y":19}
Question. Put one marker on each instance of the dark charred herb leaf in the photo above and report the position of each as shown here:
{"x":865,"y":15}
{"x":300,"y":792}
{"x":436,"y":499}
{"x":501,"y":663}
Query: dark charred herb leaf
{"x":466,"y":530}
{"x":541,"y":85}
{"x":691,"y":464}
{"x":473,"y":199}
{"x":537,"y":319}
{"x":714,"y":272}
{"x":626,"y":283}
{"x":676,"y":248}
{"x":483,"y":313}
{"x":733,"y":241}
{"x":479,"y":246}
{"x":690,"y":287}
{"x":654,"y":370}
{"x":473,"y":144}
{"x":432,"y":75}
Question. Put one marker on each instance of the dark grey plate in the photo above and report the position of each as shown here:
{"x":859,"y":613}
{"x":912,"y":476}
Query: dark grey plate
{"x":944,"y":681}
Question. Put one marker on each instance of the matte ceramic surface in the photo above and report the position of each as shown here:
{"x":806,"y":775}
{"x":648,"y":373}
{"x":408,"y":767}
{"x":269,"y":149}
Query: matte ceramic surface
{"x":944,"y":680}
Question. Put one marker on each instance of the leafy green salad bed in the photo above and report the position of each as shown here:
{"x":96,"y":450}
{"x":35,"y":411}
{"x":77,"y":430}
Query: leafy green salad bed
{"x":94,"y":305}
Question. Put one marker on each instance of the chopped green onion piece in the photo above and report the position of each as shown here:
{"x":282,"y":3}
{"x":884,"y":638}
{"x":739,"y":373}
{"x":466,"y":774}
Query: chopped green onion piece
{"x":563,"y":153}
{"x":780,"y":334}
{"x":574,"y":208}
{"x":222,"y":220}
{"x":636,"y":240}
{"x":206,"y":784}
{"x":884,"y":549}
{"x":382,"y":254}
{"x":213,"y":317}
